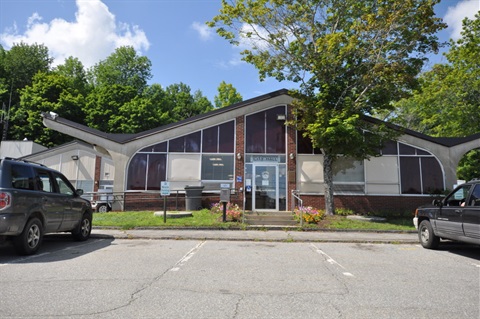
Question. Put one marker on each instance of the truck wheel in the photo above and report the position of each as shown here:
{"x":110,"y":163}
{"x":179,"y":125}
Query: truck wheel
{"x":84,"y":228}
{"x":28,"y":242}
{"x":102,"y":208}
{"x":426,"y":236}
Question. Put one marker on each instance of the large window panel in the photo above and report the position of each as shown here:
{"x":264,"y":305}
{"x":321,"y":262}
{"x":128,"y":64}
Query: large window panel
{"x":255,"y":133}
{"x":382,"y":170}
{"x":310,"y":173}
{"x":217,"y":167}
{"x":192,"y":142}
{"x":157,"y":170}
{"x":382,"y":175}
{"x":275,"y":131}
{"x":137,"y":172}
{"x":226,"y":140}
{"x":210,"y":140}
{"x":177,"y":145}
{"x":183,"y":167}
{"x":432,"y":176}
{"x":348,"y":170}
{"x":410,"y":175}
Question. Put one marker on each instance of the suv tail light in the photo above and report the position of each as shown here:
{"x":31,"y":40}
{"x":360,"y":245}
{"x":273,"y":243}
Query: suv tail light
{"x":5,"y":200}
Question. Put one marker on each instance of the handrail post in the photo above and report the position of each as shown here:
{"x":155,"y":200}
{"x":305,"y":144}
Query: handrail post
{"x":300,"y":201}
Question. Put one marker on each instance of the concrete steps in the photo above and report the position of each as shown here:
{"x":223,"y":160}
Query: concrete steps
{"x":274,"y":218}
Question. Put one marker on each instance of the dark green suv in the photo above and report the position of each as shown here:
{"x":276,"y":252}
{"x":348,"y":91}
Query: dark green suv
{"x":36,"y":200}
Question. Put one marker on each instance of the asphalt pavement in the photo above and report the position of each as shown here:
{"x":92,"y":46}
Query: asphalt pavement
{"x":269,"y":234}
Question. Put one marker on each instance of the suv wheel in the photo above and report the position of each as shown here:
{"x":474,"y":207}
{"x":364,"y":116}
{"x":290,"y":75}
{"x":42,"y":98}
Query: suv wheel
{"x":426,"y":236}
{"x":82,"y":231}
{"x":28,"y":242}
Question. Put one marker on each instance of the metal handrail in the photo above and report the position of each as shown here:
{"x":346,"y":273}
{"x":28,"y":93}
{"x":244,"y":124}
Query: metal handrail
{"x":296,"y":196}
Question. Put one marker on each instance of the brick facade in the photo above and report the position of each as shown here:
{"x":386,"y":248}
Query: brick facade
{"x":379,"y":205}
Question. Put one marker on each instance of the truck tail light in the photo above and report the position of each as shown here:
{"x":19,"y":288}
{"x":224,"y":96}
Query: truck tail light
{"x":5,"y":200}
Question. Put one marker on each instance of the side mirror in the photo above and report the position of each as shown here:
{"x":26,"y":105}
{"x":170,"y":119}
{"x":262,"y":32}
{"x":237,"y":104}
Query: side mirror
{"x":437,"y":202}
{"x":79,"y":192}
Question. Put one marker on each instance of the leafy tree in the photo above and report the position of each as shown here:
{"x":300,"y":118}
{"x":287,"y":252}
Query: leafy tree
{"x":123,"y":67}
{"x":227,"y":95}
{"x":20,"y":64}
{"x":48,"y":92}
{"x":143,"y":112}
{"x":74,"y":70}
{"x":349,"y":57}
{"x":118,"y":84}
{"x":447,"y":102}
{"x":182,"y":104}
{"x":103,"y":106}
{"x":3,"y":80}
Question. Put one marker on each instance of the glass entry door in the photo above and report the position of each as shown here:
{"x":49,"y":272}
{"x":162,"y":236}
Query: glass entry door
{"x":265,"y":187}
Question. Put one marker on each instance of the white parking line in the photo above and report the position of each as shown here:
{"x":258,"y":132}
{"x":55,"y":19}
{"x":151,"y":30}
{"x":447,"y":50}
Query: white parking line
{"x":187,"y":257}
{"x":331,"y":261}
{"x":23,"y":259}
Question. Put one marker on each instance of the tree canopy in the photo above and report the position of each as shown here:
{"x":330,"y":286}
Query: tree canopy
{"x":113,"y":96}
{"x":351,"y":58}
{"x":447,"y":103}
{"x":227,"y":95}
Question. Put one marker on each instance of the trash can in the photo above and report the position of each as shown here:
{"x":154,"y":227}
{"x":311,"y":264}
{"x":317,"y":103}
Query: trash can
{"x":193,"y":197}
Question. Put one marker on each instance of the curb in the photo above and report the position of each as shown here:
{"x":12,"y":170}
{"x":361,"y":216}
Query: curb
{"x":264,"y":235}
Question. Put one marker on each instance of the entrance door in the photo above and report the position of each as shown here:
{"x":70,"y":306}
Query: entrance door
{"x":265,"y":187}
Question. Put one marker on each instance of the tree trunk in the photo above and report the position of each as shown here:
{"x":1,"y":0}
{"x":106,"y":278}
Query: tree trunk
{"x":328,"y":180}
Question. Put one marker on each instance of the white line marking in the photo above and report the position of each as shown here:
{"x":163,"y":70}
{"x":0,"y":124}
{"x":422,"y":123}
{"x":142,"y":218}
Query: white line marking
{"x":331,"y":261}
{"x":187,"y":257}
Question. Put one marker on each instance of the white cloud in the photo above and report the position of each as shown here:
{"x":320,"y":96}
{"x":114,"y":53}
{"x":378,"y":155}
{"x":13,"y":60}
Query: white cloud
{"x":203,"y":30}
{"x":92,"y":37}
{"x":252,"y":37}
{"x":455,"y":15}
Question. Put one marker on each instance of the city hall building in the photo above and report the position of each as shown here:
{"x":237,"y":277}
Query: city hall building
{"x":248,"y":147}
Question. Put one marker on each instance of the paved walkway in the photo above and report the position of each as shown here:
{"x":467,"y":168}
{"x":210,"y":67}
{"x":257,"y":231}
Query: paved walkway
{"x":261,"y":235}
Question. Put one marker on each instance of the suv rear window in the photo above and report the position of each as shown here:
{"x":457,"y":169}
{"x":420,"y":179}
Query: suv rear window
{"x":22,"y":177}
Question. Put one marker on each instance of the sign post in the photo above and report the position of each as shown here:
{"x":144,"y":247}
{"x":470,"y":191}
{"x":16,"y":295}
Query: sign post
{"x":164,"y":192}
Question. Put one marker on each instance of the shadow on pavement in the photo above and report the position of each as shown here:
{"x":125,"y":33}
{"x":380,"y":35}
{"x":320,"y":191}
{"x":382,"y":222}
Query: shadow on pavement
{"x":462,"y":249}
{"x":55,"y":247}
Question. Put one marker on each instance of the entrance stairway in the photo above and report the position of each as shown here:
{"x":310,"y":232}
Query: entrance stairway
{"x":274,"y":218}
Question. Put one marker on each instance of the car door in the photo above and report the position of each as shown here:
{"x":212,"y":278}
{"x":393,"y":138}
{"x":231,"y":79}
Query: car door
{"x":471,"y":214}
{"x":52,"y":203}
{"x":449,"y":219}
{"x":71,"y":206}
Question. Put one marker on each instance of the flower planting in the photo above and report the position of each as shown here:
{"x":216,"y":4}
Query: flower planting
{"x":234,"y":213}
{"x":309,"y":214}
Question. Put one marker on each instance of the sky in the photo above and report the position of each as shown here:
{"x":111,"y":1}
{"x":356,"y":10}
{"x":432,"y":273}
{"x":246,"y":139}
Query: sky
{"x":171,"y":33}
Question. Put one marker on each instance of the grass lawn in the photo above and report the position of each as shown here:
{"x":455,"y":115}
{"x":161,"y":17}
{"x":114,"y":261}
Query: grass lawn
{"x":341,"y":222}
{"x":128,"y":220}
{"x":205,"y":219}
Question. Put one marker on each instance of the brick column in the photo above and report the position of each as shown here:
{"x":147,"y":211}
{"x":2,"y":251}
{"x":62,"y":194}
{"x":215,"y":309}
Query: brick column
{"x":291,"y":163}
{"x":239,"y":149}
{"x":98,"y":171}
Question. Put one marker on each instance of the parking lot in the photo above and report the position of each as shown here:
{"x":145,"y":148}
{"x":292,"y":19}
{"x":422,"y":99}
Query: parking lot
{"x":142,"y":278}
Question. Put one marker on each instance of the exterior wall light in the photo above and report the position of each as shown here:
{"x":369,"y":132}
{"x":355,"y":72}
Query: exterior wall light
{"x":239,"y":156}
{"x":75,"y":157}
{"x":292,"y":156}
{"x":281,"y":117}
